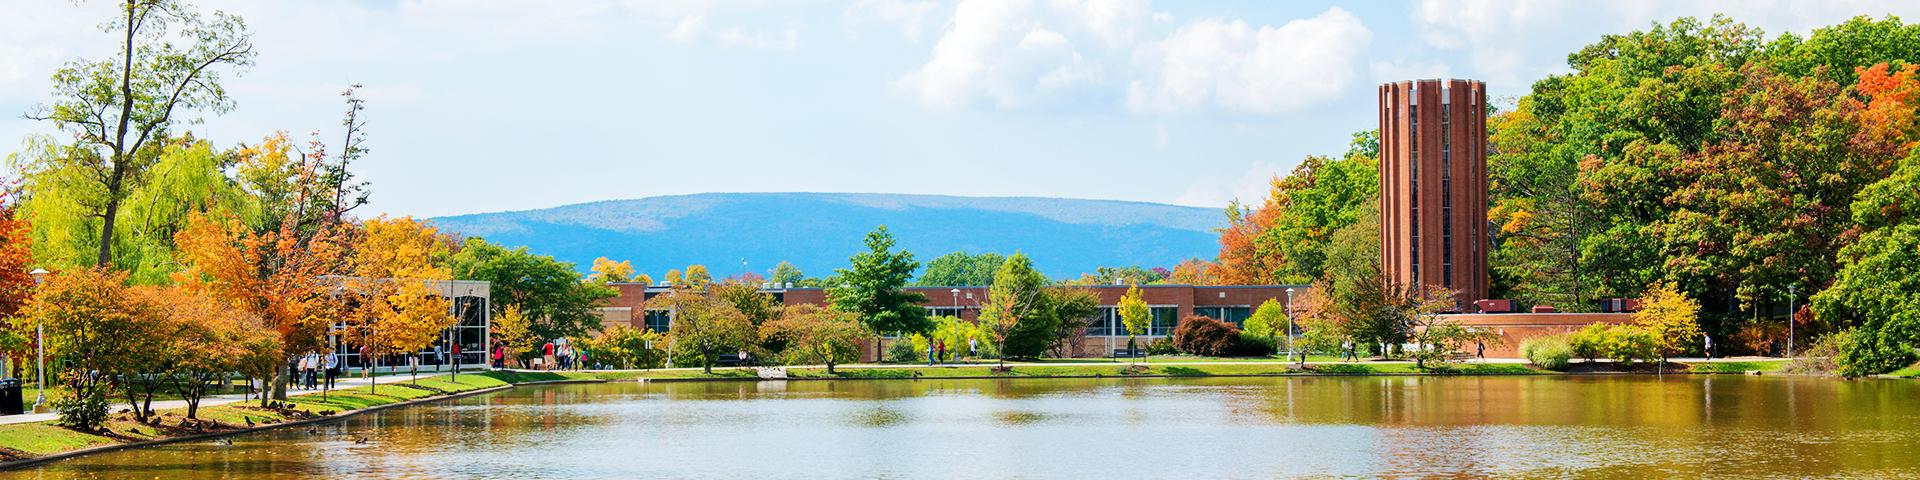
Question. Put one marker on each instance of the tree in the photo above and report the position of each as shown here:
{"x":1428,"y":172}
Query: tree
{"x":1284,"y":240}
{"x":960,"y":269}
{"x":1267,"y":320}
{"x":759,"y":307}
{"x":279,"y":276}
{"x":16,"y":286}
{"x":609,"y":271}
{"x":208,"y":341}
{"x":785,"y":273}
{"x":1072,"y":309}
{"x":873,"y":289}
{"x":1876,"y":294}
{"x":1135,"y":315}
{"x":94,"y":332}
{"x":697,"y":276}
{"x":1193,"y":271}
{"x":707,"y":324}
{"x":551,"y":293}
{"x":513,"y":329}
{"x":115,"y":107}
{"x":1671,"y":317}
{"x":400,"y":309}
{"x":817,"y":334}
{"x":1019,"y":311}
{"x":1198,"y":335}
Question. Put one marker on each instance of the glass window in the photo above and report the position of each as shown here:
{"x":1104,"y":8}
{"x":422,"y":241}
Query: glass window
{"x":659,"y":320}
{"x":1164,"y":319}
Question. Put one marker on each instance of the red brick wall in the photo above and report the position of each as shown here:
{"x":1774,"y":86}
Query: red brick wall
{"x":1515,"y":328}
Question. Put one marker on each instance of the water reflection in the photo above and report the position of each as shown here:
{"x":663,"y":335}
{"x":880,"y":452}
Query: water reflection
{"x":1689,"y":426}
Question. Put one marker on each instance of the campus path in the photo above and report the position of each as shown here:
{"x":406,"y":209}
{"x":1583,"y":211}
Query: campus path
{"x":387,"y":376}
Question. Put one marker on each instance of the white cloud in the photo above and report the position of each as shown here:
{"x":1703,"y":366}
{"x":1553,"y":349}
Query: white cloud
{"x":1234,"y":66}
{"x":1007,"y":53}
{"x":1251,"y":188}
{"x":787,"y":39}
{"x":687,"y":29}
{"x":910,"y":16}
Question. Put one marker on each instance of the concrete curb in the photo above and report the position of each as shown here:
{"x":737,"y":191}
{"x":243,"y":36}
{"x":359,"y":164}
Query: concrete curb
{"x":16,"y":464}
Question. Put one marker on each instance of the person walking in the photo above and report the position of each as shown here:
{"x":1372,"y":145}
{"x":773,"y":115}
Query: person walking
{"x":454,"y":355}
{"x":313,"y":371}
{"x":546,"y":356}
{"x":1480,"y":350}
{"x":300,"y":371}
{"x":366,"y":362}
{"x":930,"y":354}
{"x":439,"y":357}
{"x":943,"y":351}
{"x":500,"y":355}
{"x":1707,"y":345}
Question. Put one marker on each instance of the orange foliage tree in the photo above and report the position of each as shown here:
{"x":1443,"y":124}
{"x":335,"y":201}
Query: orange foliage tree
{"x":282,"y":276}
{"x":394,"y":278}
{"x":16,"y":286}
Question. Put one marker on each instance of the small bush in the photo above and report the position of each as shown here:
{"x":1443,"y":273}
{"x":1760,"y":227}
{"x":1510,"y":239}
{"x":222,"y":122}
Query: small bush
{"x":1250,"y":344}
{"x":1630,"y":344}
{"x":903,"y":351}
{"x":1551,"y":352}
{"x":1161,"y":346}
{"x":1197,"y":335}
{"x":1589,"y":343}
{"x":82,"y":412}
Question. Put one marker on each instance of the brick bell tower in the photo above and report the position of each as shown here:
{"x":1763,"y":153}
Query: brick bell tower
{"x":1433,"y":185}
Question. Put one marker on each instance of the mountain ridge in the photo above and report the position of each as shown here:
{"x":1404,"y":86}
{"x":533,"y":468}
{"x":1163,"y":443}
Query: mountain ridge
{"x":818,"y":231}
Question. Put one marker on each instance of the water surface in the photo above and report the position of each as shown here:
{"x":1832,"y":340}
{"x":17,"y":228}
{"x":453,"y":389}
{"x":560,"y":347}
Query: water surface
{"x":1600,"y":427}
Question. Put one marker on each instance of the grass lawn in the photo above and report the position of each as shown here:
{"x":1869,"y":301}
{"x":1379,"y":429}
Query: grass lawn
{"x":1909,"y":372}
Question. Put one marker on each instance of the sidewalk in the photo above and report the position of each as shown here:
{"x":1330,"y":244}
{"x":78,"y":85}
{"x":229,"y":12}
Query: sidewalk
{"x":343,"y":382}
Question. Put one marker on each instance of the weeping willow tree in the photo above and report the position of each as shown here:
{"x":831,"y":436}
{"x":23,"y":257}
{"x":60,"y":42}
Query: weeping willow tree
{"x":63,"y":200}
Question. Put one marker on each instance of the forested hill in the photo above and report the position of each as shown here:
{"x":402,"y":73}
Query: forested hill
{"x":819,"y":231}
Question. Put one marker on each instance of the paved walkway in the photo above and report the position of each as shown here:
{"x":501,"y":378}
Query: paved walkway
{"x":388,"y":377}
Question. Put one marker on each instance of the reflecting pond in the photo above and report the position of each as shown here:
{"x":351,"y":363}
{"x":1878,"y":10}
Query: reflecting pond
{"x":1580,"y":426}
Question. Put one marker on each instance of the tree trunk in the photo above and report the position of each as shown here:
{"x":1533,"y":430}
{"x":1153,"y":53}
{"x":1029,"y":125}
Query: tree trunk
{"x":280,"y":374}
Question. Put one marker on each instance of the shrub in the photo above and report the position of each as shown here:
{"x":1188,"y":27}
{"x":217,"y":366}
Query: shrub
{"x":1552,"y":352}
{"x":1863,"y":353}
{"x":1822,"y":358}
{"x":902,"y":350}
{"x":1589,"y":343}
{"x":1197,"y":335}
{"x":83,"y":412}
{"x":1161,"y":346}
{"x":1630,"y":344}
{"x":1251,"y":344}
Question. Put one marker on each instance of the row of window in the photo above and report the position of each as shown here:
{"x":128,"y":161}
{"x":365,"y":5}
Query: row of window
{"x":1105,"y":322}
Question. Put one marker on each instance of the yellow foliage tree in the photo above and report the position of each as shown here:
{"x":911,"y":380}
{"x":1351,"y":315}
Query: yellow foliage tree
{"x":512,"y":329}
{"x":1670,"y":316}
{"x":400,"y":310}
{"x":697,"y":276}
{"x":609,"y":271}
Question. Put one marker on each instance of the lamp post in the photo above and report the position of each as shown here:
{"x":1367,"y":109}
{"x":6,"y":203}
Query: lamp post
{"x":956,"y":302}
{"x":40,"y":347}
{"x":1790,"y":291}
{"x":1303,"y":360}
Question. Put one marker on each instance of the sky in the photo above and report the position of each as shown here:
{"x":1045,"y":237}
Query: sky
{"x":477,"y":106}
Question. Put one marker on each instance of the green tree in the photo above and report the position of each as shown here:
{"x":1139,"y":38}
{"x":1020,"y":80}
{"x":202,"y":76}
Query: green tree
{"x":960,"y":269}
{"x":873,"y":288}
{"x":1267,"y":320}
{"x":1877,"y":291}
{"x":759,"y":307}
{"x":550,"y":292}
{"x":785,"y":273}
{"x":1016,"y":310}
{"x":117,"y":108}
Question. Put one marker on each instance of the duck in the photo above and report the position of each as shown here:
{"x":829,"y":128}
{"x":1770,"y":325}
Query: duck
{"x":228,"y":441}
{"x":249,"y":421}
{"x":359,"y":440}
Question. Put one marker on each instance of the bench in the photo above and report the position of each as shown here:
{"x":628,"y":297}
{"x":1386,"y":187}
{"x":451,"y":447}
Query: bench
{"x":729,"y":359}
{"x":1124,"y":353}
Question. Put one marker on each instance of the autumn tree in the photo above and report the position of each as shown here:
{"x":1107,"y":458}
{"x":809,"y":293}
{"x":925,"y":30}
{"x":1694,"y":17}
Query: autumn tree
{"x":815,"y":334}
{"x":400,"y":309}
{"x":1135,"y":315}
{"x":16,"y":286}
{"x":117,"y":108}
{"x":697,"y":276}
{"x":95,"y":334}
{"x":1268,"y":320}
{"x":1284,"y":239}
{"x":759,"y":307}
{"x":1194,"y":271}
{"x":1671,"y":317}
{"x":206,"y":341}
{"x":512,"y":329}
{"x":707,"y":324}
{"x":609,"y":271}
{"x":624,"y":346}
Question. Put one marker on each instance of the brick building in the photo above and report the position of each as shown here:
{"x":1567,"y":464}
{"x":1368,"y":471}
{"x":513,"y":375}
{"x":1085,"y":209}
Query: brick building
{"x":1169,"y":303}
{"x":1433,"y":185}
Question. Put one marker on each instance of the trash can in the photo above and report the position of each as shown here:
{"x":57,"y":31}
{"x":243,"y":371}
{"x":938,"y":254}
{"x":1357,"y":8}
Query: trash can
{"x":10,"y":399}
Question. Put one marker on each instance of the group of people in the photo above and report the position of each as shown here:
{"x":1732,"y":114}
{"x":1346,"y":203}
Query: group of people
{"x":937,"y":350}
{"x":316,"y":369}
{"x":560,"y":354}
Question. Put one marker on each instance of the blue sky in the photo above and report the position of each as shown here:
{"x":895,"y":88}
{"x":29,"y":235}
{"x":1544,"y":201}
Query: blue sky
{"x":481,"y":106}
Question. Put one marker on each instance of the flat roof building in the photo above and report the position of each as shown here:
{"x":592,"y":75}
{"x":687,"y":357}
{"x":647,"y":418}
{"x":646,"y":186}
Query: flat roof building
{"x":1433,"y":186}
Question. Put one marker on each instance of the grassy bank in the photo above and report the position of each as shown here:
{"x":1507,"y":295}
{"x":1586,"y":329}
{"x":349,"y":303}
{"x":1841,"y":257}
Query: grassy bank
{"x":29,"y":440}
{"x":1064,"y":368}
